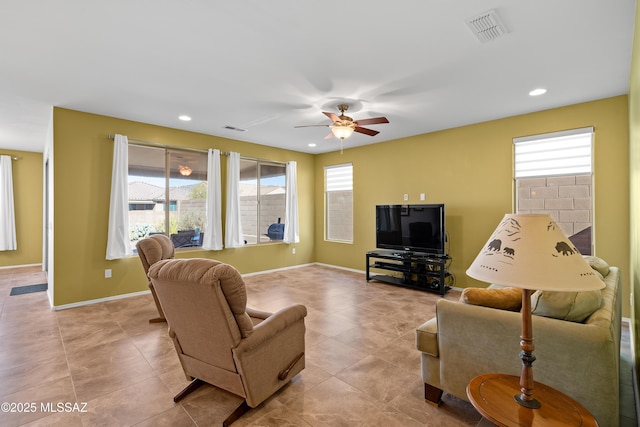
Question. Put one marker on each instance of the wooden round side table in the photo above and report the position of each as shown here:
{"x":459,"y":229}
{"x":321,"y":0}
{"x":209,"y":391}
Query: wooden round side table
{"x":493,"y":396}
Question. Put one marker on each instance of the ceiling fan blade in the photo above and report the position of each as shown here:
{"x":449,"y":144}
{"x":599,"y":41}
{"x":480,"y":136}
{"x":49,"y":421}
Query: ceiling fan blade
{"x":329,"y":136}
{"x":373,"y":121}
{"x":366,"y":131}
{"x":332,"y":116}
{"x":311,"y":126}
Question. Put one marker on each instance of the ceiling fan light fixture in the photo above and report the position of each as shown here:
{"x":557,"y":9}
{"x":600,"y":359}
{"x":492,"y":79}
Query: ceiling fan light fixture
{"x":342,"y":127}
{"x":342,"y":131}
{"x":185,"y":170}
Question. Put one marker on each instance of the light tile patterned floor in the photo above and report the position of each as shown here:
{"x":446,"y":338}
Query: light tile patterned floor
{"x":362,"y":365}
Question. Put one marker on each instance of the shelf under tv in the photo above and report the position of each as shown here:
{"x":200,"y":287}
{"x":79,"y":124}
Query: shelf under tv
{"x":419,"y":271}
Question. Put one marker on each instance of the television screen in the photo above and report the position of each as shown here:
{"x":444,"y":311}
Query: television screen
{"x":414,"y":228}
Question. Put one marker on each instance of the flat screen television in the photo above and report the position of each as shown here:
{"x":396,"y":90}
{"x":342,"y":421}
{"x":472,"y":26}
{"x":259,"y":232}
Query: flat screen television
{"x":411,"y":228}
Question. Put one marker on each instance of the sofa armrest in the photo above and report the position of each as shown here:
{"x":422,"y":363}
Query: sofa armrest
{"x":427,"y":337}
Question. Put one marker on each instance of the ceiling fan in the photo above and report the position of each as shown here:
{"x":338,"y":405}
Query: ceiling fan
{"x":344,"y":126}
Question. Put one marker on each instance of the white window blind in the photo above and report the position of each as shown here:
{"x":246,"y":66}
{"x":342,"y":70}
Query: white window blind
{"x":558,"y":153}
{"x":339,"y":178}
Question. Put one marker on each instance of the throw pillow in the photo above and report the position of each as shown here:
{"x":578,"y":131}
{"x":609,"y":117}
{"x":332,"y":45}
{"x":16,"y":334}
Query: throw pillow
{"x":598,"y":264}
{"x":502,"y":298}
{"x":571,"y":306}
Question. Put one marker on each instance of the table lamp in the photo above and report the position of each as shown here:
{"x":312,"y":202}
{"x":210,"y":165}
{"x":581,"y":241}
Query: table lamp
{"x":530,"y":251}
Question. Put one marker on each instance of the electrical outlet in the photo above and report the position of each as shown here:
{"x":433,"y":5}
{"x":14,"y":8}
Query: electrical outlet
{"x":406,"y":197}
{"x":293,"y":251}
{"x":422,"y":196}
{"x":107,"y":273}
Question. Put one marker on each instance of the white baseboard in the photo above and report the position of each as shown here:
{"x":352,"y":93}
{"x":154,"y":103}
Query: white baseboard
{"x":337,"y":267}
{"x":99,"y":300}
{"x":276,"y":269}
{"x":20,"y":266}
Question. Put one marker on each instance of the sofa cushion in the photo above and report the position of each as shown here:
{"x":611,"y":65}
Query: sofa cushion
{"x":502,"y":298}
{"x":571,"y":306}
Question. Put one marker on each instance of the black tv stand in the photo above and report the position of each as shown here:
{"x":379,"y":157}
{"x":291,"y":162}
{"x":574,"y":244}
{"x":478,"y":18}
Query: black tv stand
{"x":415,"y":270}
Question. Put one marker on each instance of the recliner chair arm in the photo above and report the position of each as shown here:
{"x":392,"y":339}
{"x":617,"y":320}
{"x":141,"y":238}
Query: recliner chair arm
{"x":258,"y":314}
{"x":277,"y":322}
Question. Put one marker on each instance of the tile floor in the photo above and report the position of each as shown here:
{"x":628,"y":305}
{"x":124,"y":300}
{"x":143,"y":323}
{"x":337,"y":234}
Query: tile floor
{"x":362,"y":365}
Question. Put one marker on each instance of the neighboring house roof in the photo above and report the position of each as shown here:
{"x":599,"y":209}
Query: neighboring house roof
{"x":180,"y":193}
{"x":274,"y":190}
{"x":142,"y":191}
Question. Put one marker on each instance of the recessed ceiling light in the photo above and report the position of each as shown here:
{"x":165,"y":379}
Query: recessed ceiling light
{"x":312,"y":145}
{"x":184,"y":118}
{"x":538,"y":92}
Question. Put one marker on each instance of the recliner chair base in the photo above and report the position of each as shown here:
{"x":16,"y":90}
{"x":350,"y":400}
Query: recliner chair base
{"x":195,"y":384}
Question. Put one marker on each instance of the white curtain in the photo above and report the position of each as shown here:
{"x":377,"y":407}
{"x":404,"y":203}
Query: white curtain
{"x":118,"y":244}
{"x":233,"y":235}
{"x":7,"y":214}
{"x":213,"y":229}
{"x":291,"y":205}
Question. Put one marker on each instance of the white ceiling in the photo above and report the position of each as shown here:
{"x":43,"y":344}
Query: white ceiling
{"x":267,"y":66}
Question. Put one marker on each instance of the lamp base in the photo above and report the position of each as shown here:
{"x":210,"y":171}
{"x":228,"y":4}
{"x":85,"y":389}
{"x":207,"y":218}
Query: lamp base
{"x":530,"y":403}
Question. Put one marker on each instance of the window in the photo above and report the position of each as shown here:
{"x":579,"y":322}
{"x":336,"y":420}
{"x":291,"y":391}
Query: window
{"x":157,"y":175}
{"x":553,"y":174}
{"x":338,"y":182}
{"x":141,"y":206}
{"x":262,"y":200}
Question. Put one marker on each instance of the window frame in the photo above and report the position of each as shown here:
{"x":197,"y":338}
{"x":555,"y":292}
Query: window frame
{"x":259,"y":165}
{"x":169,"y":154}
{"x":329,"y":188}
{"x":566,"y":193}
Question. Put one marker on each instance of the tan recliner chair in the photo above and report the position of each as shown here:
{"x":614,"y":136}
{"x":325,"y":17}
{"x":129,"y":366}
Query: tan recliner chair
{"x":151,"y":250}
{"x":219,"y":339}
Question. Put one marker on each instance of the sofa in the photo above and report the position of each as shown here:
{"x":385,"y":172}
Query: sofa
{"x":579,"y":358}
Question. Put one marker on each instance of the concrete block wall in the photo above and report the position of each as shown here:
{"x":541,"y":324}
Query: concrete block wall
{"x":567,"y":199}
{"x":271,"y":208}
{"x":340,"y":226}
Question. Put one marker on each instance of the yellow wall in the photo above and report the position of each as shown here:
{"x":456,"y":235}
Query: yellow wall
{"x":27,"y":195}
{"x":82,"y":181}
{"x":467,"y":168}
{"x":634,"y":173}
{"x":470,"y":169}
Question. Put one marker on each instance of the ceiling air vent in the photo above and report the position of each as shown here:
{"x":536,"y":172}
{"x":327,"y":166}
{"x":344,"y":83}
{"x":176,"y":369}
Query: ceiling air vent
{"x":487,"y":26}
{"x":234,"y":128}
